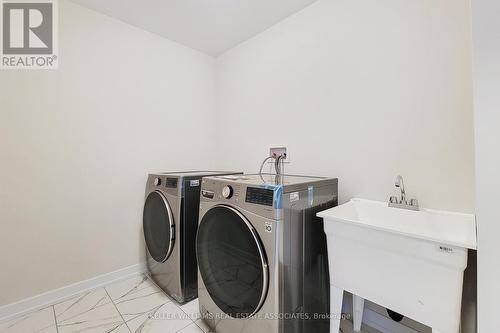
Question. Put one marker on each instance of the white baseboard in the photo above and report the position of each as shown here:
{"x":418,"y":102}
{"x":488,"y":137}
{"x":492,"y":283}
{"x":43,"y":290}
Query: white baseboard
{"x":64,"y":293}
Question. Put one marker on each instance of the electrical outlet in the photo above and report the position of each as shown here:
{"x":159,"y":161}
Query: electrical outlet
{"x":278,"y":151}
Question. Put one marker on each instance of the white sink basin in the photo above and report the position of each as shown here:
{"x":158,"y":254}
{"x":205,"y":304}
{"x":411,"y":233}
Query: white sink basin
{"x":448,"y":228}
{"x":411,"y":262}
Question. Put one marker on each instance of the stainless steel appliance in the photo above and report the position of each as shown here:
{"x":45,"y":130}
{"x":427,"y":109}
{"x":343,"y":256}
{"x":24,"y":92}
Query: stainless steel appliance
{"x":262,"y":255}
{"x":170,"y":221}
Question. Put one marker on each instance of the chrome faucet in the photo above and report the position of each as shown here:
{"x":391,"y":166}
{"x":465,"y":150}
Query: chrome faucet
{"x":401,"y":185}
{"x":402,"y":203}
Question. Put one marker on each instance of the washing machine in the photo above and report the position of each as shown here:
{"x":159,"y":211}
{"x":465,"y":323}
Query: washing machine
{"x":170,"y":221}
{"x":262,"y":256}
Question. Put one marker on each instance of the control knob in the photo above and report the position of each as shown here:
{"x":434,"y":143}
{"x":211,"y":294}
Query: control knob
{"x":227,"y":192}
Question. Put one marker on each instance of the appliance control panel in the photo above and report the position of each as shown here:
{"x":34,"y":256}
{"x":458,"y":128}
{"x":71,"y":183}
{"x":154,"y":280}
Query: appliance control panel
{"x":171,"y":182}
{"x":260,"y":196}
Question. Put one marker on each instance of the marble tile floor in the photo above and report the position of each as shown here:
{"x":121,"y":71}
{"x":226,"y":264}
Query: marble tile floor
{"x":135,"y":305}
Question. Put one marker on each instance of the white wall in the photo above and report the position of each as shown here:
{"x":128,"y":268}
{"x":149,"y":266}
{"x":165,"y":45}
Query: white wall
{"x":359,"y":90}
{"x":76,"y":144}
{"x":486,"y":27}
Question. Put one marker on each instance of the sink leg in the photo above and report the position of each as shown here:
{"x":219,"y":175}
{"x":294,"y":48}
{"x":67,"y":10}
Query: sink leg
{"x":358,"y":305}
{"x":336,"y":299}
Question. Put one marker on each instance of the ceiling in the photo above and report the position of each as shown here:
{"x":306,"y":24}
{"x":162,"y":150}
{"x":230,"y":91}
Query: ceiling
{"x":210,"y":26}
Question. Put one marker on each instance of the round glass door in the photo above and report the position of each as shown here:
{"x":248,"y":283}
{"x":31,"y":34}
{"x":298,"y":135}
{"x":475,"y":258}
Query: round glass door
{"x":158,"y":225}
{"x":232,"y":262}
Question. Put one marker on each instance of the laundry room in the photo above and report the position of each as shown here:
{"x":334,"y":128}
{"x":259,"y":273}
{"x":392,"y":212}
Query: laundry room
{"x":284,"y":166}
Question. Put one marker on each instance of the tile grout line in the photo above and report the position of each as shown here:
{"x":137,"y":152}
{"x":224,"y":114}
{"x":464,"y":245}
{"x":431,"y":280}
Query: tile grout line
{"x":187,"y":314}
{"x":170,"y":299}
{"x":201,"y":329}
{"x":184,"y":327}
{"x":174,"y":303}
{"x":116,"y":308}
{"x":55,"y":318}
{"x":192,"y":321}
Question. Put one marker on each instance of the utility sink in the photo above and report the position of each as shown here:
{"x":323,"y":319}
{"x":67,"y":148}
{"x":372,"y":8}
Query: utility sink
{"x":411,"y":262}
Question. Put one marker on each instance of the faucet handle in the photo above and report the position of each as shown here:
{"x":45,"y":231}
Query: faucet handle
{"x":393,"y":199}
{"x":414,"y":202}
